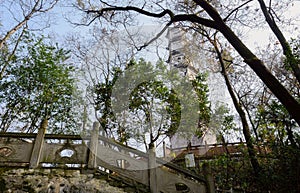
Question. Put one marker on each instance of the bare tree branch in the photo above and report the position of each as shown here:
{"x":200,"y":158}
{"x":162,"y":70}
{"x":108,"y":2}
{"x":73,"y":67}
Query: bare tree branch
{"x":12,"y":53}
{"x":237,"y":8}
{"x":293,"y":62}
{"x":156,"y":37}
{"x":37,"y":7}
{"x":100,"y":13}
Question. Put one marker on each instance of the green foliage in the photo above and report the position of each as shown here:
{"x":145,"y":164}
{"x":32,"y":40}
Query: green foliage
{"x":281,"y":169}
{"x":235,"y":173}
{"x":39,"y":84}
{"x":295,"y":44}
{"x":292,"y":57}
{"x":280,"y":137}
{"x":102,"y":97}
{"x":222,"y":122}
{"x":275,"y":124}
{"x":155,"y":104}
{"x":201,"y":90}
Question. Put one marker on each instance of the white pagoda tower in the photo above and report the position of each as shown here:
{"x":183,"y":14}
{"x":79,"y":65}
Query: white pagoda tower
{"x":179,"y":56}
{"x":190,"y":65}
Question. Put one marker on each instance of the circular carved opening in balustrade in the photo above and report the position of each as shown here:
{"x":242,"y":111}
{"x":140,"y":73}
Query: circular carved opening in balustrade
{"x":182,"y":187}
{"x":66,"y":153}
{"x":5,"y":151}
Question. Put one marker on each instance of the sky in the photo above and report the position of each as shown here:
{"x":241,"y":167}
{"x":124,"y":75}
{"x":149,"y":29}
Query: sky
{"x":60,"y":27}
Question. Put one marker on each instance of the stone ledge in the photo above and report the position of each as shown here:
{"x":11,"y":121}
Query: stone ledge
{"x":52,"y":181}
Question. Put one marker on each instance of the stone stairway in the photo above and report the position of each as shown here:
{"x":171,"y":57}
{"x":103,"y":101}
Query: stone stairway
{"x":119,"y":164}
{"x":128,"y":163}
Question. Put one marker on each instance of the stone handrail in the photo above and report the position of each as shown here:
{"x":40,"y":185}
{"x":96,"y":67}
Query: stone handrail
{"x":96,"y":151}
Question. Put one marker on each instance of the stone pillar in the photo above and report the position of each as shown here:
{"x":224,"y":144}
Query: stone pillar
{"x":38,"y":145}
{"x":92,"y":163}
{"x":152,"y":169}
{"x":209,"y":178}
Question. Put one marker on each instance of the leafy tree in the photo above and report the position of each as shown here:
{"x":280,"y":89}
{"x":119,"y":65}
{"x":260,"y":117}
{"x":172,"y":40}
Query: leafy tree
{"x":102,"y":56}
{"x":223,"y":123}
{"x":140,"y":106}
{"x":102,"y":99}
{"x":154,"y":107}
{"x":40,"y":85}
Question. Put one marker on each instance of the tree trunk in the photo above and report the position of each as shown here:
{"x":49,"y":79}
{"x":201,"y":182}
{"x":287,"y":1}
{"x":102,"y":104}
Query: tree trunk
{"x":38,"y":145}
{"x":238,"y":107}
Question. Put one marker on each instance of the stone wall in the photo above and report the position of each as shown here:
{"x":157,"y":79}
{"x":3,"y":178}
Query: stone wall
{"x":52,"y":181}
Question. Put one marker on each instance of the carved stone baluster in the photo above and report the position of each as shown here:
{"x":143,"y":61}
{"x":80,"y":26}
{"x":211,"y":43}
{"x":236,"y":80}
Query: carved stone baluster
{"x":152,"y":169}
{"x":209,"y":178}
{"x":38,"y":145}
{"x":92,"y":163}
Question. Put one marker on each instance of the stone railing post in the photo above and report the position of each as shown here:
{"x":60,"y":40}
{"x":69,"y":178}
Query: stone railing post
{"x":38,"y":145}
{"x":152,"y":169}
{"x":209,"y":178}
{"x":92,"y":163}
